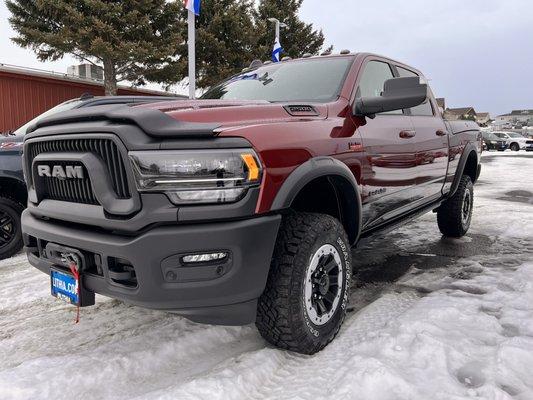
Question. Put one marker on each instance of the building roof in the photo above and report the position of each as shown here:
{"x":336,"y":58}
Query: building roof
{"x":518,"y":113}
{"x":461,"y":111}
{"x":15,"y":69}
{"x":483,"y":115}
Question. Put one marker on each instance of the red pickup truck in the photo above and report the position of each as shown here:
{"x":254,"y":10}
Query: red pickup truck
{"x":244,"y":206}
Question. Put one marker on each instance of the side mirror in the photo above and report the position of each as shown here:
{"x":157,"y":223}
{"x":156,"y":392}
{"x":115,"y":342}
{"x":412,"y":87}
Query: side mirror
{"x":398,"y":93}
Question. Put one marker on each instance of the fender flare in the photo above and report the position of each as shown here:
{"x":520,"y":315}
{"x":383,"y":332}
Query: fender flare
{"x":469,"y":149}
{"x":343,"y":180}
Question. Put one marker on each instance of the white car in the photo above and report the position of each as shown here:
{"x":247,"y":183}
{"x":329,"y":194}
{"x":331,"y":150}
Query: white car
{"x":515,"y":140}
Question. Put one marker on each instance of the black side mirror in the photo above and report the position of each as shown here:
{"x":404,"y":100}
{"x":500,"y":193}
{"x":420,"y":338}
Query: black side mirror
{"x":398,"y":93}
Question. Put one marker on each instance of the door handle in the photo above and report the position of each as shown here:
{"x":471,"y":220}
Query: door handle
{"x":407,"y":134}
{"x":441,"y":133}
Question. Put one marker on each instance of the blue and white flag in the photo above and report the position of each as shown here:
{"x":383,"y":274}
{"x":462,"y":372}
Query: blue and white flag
{"x":193,"y":6}
{"x":276,"y":51}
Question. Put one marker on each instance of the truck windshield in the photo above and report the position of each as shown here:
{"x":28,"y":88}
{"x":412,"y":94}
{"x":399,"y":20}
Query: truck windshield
{"x":311,"y":80}
{"x":67,"y":105}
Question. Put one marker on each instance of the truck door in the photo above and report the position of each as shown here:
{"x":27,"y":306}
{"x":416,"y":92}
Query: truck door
{"x":389,"y":145}
{"x":431,"y":145}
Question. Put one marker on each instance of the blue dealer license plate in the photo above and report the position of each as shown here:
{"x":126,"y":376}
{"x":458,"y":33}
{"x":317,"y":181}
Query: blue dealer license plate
{"x":64,"y":286}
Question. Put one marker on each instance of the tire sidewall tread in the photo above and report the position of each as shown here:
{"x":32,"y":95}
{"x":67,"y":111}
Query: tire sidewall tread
{"x":282,"y":319}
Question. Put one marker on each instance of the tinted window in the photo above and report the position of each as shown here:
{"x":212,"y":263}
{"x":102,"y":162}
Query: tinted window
{"x":490,"y":136}
{"x":373,"y":79}
{"x":314,"y":80}
{"x":423,"y":109}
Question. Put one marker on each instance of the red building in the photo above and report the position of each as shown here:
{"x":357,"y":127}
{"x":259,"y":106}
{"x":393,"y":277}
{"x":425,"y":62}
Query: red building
{"x":26,"y":93}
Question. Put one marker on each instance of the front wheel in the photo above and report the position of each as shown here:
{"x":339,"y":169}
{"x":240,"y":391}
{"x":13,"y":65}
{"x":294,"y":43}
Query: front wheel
{"x":514,"y":147}
{"x":455,"y":214}
{"x":10,"y":227}
{"x":305,"y":299}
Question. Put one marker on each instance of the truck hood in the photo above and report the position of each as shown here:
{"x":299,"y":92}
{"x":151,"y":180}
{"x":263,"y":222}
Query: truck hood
{"x":229,"y":113}
{"x":182,"y":119}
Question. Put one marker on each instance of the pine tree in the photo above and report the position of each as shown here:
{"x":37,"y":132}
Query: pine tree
{"x":225,"y":40}
{"x":146,"y":40}
{"x":131,"y":39}
{"x":296,"y":39}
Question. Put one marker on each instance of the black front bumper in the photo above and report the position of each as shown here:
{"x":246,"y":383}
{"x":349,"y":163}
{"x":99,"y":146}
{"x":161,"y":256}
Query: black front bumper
{"x":224,"y":292}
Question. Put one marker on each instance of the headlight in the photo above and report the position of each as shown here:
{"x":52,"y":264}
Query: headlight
{"x":197,"y":176}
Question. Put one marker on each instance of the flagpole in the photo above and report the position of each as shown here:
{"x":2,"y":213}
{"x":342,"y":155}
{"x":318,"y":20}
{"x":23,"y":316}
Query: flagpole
{"x":192,"y":54}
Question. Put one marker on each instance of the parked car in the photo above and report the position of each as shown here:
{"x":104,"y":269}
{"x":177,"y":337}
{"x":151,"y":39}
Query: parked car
{"x":243,"y":206}
{"x":13,"y":193}
{"x":515,"y":140}
{"x":493,"y":142}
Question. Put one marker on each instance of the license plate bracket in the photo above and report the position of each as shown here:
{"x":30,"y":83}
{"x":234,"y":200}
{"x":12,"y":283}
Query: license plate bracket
{"x":65,"y":286}
{"x":63,"y":282}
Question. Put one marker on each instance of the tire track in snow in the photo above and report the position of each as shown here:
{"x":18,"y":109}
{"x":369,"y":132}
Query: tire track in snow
{"x":295,"y":377}
{"x":269,"y":373}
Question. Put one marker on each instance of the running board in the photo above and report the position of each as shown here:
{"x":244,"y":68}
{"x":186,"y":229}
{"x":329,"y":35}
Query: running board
{"x":402,"y":220}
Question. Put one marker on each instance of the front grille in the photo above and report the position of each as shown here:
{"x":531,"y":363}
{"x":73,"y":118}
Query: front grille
{"x":80,"y":190}
{"x":71,"y":190}
{"x":529,"y":141}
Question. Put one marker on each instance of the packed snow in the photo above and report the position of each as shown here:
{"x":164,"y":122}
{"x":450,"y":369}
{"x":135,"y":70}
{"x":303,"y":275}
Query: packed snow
{"x":429,"y":318}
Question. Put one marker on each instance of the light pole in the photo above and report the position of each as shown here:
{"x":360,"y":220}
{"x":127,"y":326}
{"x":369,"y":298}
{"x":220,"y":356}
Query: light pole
{"x":277,"y":25}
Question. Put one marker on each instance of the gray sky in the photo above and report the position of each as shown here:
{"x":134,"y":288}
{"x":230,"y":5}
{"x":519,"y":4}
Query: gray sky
{"x":475,"y":52}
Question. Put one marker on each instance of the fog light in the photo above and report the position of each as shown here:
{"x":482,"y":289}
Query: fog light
{"x":202,"y":258}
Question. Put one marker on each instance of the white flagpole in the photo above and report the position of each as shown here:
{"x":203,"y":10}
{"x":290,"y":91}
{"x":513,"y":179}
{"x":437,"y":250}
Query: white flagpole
{"x":192,"y":54}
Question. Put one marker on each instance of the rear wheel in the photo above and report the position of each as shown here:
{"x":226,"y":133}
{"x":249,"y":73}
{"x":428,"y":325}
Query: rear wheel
{"x":455,"y":214}
{"x":10,"y":228}
{"x":304,"y":302}
{"x":514,"y":147}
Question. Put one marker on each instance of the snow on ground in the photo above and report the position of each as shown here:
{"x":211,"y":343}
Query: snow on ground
{"x":430,"y":318}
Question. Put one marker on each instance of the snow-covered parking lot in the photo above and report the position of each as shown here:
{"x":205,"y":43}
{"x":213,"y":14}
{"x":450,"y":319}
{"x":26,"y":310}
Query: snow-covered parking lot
{"x":429,"y":319}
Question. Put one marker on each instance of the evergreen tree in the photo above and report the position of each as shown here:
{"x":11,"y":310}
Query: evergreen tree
{"x":131,"y":39}
{"x":296,"y":39}
{"x":226,"y":40}
{"x":146,"y":40}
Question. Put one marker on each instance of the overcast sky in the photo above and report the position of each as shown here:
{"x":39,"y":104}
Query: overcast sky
{"x":475,"y":52}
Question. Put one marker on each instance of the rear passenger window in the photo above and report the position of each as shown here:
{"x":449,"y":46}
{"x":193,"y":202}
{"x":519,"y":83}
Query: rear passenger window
{"x":423,"y":109}
{"x":373,"y":80}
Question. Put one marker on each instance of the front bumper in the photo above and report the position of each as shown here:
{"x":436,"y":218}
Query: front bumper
{"x":221,"y":293}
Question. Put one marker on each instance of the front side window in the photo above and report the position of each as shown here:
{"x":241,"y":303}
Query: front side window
{"x":312,"y":80}
{"x":423,"y":109}
{"x":373,"y":80}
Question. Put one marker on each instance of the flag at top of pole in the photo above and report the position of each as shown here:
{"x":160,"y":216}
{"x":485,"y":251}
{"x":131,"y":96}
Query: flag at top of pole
{"x":193,"y":6}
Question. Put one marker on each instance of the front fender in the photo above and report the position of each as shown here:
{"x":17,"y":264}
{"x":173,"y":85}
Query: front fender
{"x":341,"y":177}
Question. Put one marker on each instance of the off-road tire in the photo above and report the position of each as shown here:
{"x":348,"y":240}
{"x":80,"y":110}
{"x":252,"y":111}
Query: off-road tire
{"x":282,"y":318}
{"x":450,"y":215}
{"x":12,"y":209}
